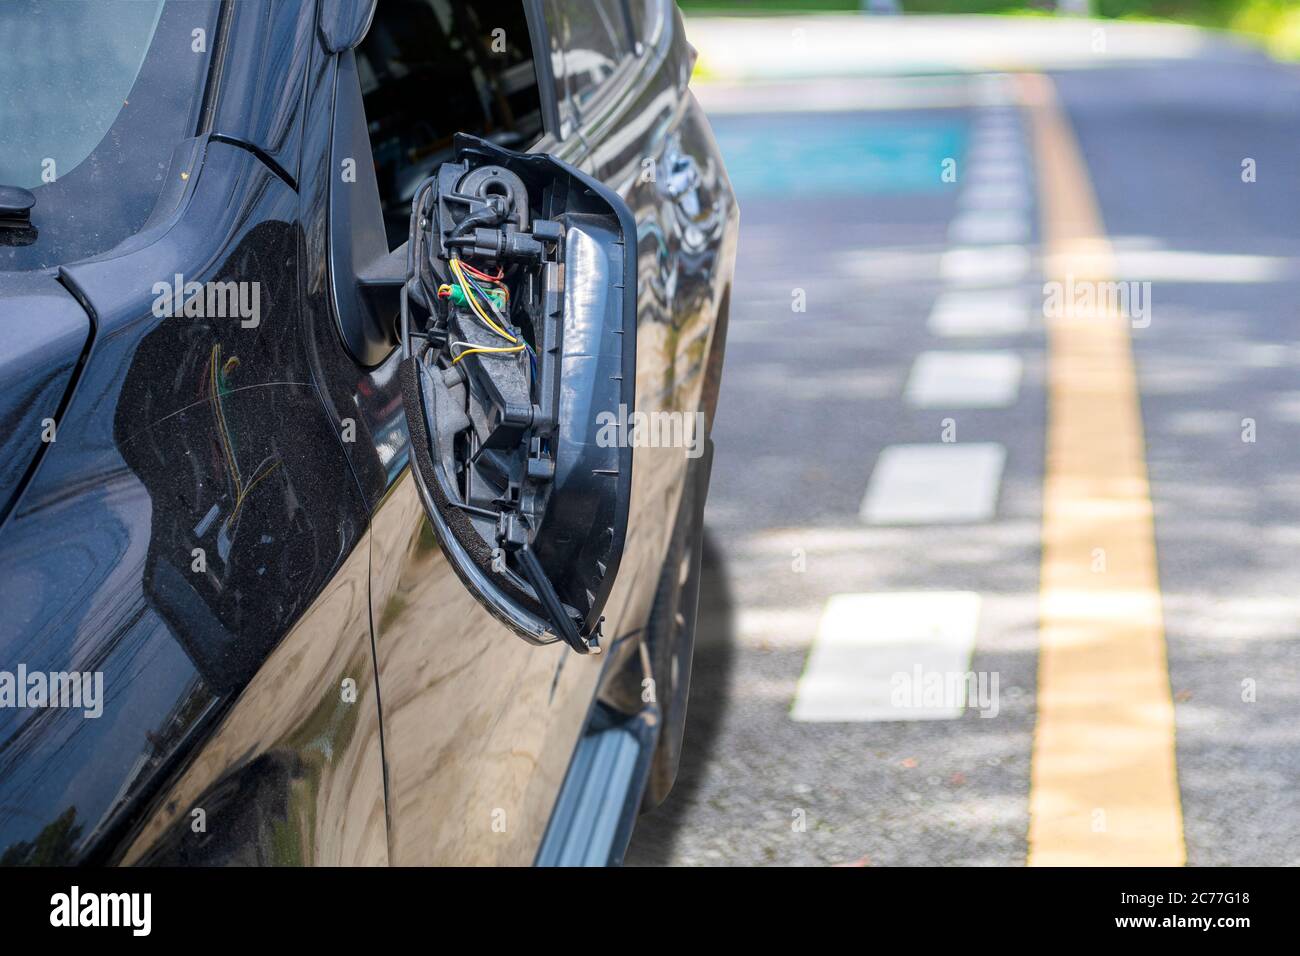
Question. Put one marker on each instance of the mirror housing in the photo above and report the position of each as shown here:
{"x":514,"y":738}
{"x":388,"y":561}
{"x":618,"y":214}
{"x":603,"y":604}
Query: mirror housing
{"x":518,"y":324}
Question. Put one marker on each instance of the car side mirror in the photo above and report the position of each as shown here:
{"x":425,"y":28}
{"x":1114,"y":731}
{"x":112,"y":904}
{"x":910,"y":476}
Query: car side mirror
{"x":518,"y":330}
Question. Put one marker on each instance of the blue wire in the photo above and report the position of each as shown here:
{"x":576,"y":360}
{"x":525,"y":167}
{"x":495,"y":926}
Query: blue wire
{"x":491,"y":305}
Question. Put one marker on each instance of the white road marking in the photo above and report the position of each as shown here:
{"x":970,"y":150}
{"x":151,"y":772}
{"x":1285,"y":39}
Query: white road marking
{"x":987,"y":122}
{"x":980,"y":312}
{"x":995,"y":136}
{"x":965,"y":380}
{"x":1008,"y":178}
{"x":995,"y":148}
{"x":890,"y":657}
{"x":935,"y":484}
{"x":984,"y":265}
{"x":994,"y":92}
{"x":994,"y":195}
{"x":1000,"y":149}
{"x":989,"y":226}
{"x":997,"y":126}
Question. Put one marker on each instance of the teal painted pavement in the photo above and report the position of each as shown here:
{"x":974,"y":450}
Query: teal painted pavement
{"x":801,"y":157}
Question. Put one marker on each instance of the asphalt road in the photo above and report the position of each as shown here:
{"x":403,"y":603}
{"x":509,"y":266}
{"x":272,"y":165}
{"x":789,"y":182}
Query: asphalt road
{"x":843,"y":207}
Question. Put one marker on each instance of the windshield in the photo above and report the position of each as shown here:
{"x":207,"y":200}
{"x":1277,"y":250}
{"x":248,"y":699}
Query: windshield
{"x":94,"y":97}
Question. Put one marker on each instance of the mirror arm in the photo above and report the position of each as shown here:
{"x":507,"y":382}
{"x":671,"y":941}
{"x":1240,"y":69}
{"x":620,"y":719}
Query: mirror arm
{"x":380,"y":282}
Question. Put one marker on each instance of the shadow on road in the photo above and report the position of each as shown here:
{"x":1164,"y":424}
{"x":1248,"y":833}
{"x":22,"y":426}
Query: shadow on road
{"x":657,"y":831}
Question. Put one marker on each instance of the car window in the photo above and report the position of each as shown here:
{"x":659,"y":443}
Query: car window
{"x":432,"y":68}
{"x":94,"y":97}
{"x":590,"y":40}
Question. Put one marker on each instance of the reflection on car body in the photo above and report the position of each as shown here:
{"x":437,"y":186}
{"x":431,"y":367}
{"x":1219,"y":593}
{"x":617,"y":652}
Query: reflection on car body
{"x":228,"y":524}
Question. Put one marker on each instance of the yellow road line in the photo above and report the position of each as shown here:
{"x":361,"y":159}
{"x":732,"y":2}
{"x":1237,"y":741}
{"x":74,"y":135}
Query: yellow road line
{"x":1103,"y":788}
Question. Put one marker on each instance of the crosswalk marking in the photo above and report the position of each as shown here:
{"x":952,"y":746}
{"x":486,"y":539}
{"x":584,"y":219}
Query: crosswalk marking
{"x":890,"y":657}
{"x":964,"y":380}
{"x":940,"y":483}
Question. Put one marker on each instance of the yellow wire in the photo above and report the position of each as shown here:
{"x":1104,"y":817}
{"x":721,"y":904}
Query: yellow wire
{"x":515,"y":348}
{"x":473,"y":301}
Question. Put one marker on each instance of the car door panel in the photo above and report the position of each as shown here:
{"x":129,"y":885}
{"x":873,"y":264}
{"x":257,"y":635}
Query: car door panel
{"x":650,"y":142}
{"x":478,"y":725}
{"x":195,"y":509}
{"x":293,"y":775}
{"x":227,"y":527}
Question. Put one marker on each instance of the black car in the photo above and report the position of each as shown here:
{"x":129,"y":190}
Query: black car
{"x":356,"y":368}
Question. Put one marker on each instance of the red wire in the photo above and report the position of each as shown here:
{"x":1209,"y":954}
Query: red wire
{"x":478,"y":274}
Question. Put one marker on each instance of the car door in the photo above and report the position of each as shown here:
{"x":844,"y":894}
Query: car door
{"x":599,"y":63}
{"x":192,"y":537}
{"x":478,"y":725}
{"x":649,"y":141}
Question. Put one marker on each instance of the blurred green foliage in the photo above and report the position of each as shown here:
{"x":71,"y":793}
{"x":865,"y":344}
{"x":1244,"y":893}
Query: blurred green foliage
{"x":1275,"y":23}
{"x":1219,"y":13}
{"x":1208,"y":12}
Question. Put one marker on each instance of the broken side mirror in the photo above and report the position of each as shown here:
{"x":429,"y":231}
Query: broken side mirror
{"x":518,"y":331}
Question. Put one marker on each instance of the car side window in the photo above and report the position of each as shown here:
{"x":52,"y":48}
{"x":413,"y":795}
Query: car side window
{"x":590,"y":41}
{"x":432,"y":68}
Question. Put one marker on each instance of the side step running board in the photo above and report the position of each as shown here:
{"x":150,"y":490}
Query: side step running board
{"x":598,"y":804}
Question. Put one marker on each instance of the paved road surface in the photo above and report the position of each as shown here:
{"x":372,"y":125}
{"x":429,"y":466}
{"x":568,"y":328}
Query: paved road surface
{"x":846,"y":211}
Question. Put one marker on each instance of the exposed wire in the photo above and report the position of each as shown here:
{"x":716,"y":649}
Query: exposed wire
{"x":459,"y":296}
{"x":466,"y":283}
{"x":483,"y":349}
{"x":493,"y":286}
{"x":491,"y":304}
{"x":478,"y":273}
{"x":532,"y":355}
